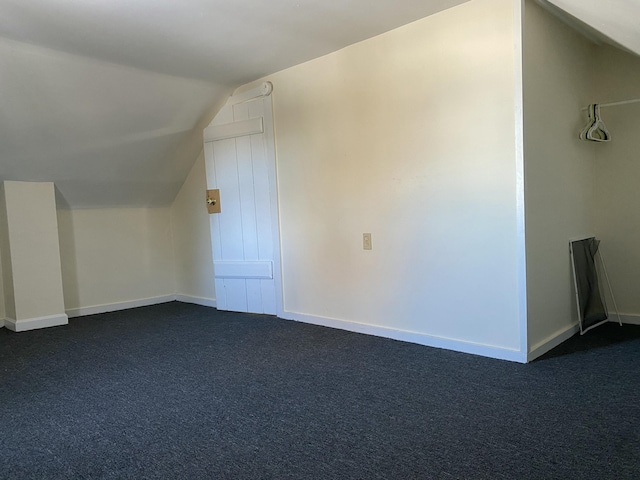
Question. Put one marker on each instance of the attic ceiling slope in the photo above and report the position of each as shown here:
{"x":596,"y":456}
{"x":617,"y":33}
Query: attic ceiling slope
{"x":103,"y":133}
{"x":229,"y":42}
{"x":104,"y":97}
{"x":616,"y":20}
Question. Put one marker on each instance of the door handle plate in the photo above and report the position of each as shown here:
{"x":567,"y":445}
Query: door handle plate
{"x":213,"y":201}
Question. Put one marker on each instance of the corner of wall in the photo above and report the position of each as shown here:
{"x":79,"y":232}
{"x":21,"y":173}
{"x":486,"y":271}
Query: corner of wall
{"x":559,"y":170}
{"x":5,"y":259}
{"x":193,"y":261}
{"x":518,"y":22}
{"x":617,"y":217}
{"x":190,"y":233}
{"x":2,"y":309}
{"x":115,"y":256}
{"x":189,"y":150}
{"x":174,"y":257}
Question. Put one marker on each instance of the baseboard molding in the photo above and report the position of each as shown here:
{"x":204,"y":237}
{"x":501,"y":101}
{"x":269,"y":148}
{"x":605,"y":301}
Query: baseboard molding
{"x":205,"y":302}
{"x":627,"y":318}
{"x":114,"y":307}
{"x":566,"y":333}
{"x":1,"y":322}
{"x":552,"y":341}
{"x":23,"y":325}
{"x":142,"y":302}
{"x":411,"y":337}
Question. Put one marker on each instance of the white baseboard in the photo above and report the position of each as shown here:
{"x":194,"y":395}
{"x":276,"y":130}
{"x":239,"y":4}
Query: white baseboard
{"x":412,"y":337}
{"x":205,"y":302}
{"x":566,"y":333}
{"x":142,"y":302}
{"x":552,"y":341}
{"x":627,"y":318}
{"x":1,"y":322}
{"x":23,"y":325}
{"x":113,"y":307}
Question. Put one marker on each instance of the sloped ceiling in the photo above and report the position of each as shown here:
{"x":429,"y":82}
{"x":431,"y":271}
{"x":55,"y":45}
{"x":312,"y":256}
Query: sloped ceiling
{"x":613,"y":21}
{"x":100,"y":96}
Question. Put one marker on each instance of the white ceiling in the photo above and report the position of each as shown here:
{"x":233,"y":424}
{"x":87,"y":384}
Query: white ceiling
{"x":611,"y":21}
{"x":97,"y":96}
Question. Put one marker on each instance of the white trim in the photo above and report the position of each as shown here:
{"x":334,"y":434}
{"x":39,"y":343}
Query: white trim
{"x":270,"y":144}
{"x":142,"y":302}
{"x":113,"y":307}
{"x":25,"y":324}
{"x":262,"y":90}
{"x":242,"y":269}
{"x":205,"y":302}
{"x":552,"y":341}
{"x":412,"y":337}
{"x":628,"y":319}
{"x":1,"y":322}
{"x":241,"y":128}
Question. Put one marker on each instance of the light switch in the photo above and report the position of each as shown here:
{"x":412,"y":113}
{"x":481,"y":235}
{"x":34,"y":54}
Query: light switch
{"x":366,"y":241}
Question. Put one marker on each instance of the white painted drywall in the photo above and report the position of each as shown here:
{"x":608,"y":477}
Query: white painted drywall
{"x":408,"y":136}
{"x":192,"y":237}
{"x":617,"y":215}
{"x":559,"y":167}
{"x":112,"y":256}
{"x":35,"y":286}
{"x":6,"y":282}
{"x":5,"y":253}
{"x":2,"y":309}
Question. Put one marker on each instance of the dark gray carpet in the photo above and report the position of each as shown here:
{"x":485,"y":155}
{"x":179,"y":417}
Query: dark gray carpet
{"x":178,"y":391}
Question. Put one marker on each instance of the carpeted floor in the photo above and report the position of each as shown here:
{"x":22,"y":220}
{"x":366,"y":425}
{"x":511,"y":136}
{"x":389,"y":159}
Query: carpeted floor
{"x":177,"y":391}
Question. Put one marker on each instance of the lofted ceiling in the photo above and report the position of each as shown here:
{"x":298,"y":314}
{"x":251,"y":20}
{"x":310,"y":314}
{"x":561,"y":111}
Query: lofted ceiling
{"x":614,"y":22}
{"x":102,"y":96}
{"x":108,"y":98}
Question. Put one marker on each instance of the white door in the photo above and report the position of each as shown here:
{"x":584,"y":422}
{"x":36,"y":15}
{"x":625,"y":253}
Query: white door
{"x":240,"y":162}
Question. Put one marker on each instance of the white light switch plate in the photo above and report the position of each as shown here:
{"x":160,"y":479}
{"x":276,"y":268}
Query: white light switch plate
{"x":366,"y":241}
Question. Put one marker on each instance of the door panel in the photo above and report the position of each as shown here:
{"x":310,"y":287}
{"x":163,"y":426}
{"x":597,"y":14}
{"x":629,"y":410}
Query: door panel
{"x":243,"y":233}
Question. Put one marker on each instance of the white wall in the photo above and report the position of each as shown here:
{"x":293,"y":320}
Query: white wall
{"x":409,"y":136}
{"x":2,"y":309}
{"x":30,"y":247}
{"x":111,"y":256}
{"x":618,"y":170}
{"x":559,"y":167}
{"x":192,"y":237}
{"x":6,"y":285}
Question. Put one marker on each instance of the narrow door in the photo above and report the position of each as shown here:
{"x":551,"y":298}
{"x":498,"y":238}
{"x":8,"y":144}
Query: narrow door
{"x":240,"y":162}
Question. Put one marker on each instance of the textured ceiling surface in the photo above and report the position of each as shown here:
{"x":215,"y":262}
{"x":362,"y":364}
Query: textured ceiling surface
{"x":99,"y":96}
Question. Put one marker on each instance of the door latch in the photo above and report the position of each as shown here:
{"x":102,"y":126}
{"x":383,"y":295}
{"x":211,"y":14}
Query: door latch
{"x":213,"y":201}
